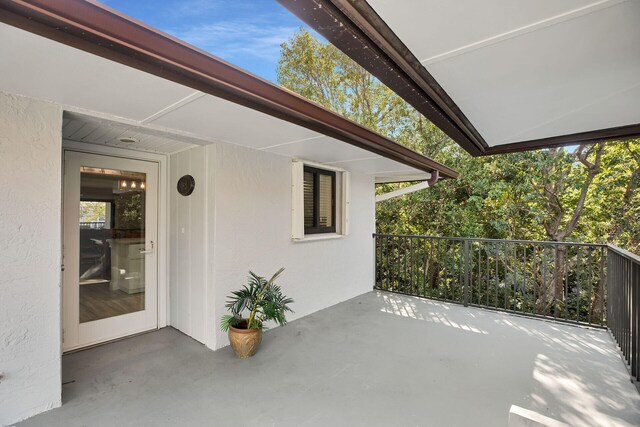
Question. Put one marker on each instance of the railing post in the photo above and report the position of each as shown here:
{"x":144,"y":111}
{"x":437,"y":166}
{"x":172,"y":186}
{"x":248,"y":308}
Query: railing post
{"x":466,"y":273}
{"x":635,"y":319}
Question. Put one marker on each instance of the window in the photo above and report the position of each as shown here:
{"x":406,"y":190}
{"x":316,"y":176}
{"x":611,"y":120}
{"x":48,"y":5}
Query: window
{"x":319,"y":201}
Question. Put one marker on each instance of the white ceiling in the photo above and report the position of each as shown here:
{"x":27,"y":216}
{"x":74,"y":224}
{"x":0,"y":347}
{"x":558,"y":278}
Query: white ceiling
{"x":93,"y":130}
{"x":106,"y":101}
{"x":528,"y":69}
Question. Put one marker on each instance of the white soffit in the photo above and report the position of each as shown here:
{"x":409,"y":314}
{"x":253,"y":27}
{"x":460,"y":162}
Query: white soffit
{"x":323,"y":149}
{"x":33,"y":66}
{"x":107,"y":100}
{"x":374,"y":165}
{"x":529,"y":69}
{"x":93,"y":130}
{"x":232,"y":123}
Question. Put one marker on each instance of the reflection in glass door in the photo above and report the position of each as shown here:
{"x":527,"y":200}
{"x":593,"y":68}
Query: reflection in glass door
{"x":112,"y":243}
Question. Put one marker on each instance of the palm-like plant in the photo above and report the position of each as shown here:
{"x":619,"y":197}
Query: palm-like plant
{"x":262,"y":298}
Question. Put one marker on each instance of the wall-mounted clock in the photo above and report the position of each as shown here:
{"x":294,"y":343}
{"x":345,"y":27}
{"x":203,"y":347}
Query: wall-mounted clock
{"x":186,"y":184}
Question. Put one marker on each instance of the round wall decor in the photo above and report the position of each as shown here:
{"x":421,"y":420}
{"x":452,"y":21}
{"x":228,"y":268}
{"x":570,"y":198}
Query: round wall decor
{"x":186,"y":184}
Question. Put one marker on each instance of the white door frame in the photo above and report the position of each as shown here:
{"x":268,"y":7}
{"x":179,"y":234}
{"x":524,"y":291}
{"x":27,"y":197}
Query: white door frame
{"x":162,"y":246}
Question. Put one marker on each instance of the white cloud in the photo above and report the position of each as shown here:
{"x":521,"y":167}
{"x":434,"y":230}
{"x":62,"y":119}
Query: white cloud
{"x":231,"y":40}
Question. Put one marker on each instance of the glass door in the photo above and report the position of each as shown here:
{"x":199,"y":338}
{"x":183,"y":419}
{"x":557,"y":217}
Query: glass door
{"x":110,"y":239}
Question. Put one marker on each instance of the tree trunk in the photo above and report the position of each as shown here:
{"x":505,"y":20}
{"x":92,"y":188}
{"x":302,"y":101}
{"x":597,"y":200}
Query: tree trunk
{"x":596,"y":301}
{"x":435,"y":271}
{"x":560,"y":255}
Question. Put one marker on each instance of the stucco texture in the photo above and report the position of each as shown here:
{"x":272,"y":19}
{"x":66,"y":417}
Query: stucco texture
{"x":30,"y":236}
{"x":253,"y":231}
{"x":242,"y":204}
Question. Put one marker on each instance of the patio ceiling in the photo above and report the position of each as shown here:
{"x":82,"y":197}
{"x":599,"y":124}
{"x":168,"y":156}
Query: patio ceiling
{"x":498,"y":76}
{"x":132,"y":78}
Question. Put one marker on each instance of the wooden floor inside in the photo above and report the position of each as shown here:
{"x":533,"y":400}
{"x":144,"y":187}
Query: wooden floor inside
{"x":98,"y":301}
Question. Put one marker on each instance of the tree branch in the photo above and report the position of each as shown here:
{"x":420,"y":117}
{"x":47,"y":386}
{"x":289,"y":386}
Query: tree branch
{"x":592,"y":170}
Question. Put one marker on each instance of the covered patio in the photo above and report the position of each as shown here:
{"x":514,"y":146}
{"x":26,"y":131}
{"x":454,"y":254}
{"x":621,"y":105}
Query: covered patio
{"x":377,"y":359}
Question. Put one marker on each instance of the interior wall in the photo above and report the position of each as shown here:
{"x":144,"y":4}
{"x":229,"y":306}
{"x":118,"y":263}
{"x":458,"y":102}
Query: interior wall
{"x":30,"y":232}
{"x":246,"y":221}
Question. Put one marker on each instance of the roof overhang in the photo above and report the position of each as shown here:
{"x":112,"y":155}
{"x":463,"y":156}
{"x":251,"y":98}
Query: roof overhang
{"x":99,"y":30}
{"x":498,"y":76}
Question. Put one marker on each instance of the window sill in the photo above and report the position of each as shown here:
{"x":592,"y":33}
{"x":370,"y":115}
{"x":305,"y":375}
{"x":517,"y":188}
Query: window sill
{"x":316,"y":237}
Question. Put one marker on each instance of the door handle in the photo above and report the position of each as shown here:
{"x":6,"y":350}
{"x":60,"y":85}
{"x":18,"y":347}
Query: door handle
{"x":144,"y":251}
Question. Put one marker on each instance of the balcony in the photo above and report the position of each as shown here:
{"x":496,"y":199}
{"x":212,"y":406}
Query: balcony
{"x":378,"y":359}
{"x":581,"y":283}
{"x":389,"y":359}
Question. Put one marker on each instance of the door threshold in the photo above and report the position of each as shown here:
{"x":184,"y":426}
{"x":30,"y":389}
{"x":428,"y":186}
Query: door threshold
{"x":100,"y":344}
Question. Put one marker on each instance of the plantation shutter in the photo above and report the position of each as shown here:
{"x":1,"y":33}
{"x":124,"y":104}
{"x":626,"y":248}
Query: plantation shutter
{"x":308,"y":199}
{"x":319,"y":200}
{"x":325,"y":201}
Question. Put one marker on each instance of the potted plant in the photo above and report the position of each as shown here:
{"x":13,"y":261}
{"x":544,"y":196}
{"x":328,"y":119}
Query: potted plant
{"x":264,"y":301}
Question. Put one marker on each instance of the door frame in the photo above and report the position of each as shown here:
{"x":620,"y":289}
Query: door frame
{"x":162,"y":248}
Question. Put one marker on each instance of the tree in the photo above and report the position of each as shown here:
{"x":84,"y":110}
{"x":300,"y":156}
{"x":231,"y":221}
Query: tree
{"x":590,"y":194}
{"x":557,"y":174}
{"x":92,"y":211}
{"x":622,"y":166}
{"x":322,"y":73}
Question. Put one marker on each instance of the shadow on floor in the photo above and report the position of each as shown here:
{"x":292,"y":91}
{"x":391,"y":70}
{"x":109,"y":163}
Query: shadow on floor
{"x":379,"y":359}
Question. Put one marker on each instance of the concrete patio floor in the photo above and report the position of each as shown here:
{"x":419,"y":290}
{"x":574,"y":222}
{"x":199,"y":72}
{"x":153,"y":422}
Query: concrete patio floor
{"x":378,"y":360}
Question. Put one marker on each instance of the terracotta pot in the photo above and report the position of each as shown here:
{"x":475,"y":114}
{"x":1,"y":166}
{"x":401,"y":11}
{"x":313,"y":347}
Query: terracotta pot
{"x":244,"y":341}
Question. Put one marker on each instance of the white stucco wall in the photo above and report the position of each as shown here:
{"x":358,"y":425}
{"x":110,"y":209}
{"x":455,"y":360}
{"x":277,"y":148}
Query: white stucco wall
{"x":248,"y":227}
{"x":30,"y":236}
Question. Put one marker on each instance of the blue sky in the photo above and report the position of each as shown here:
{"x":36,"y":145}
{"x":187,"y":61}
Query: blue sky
{"x":244,"y":32}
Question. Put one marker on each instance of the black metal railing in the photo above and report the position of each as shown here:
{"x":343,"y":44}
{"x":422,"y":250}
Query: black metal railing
{"x":557,"y":280}
{"x":623,"y":308}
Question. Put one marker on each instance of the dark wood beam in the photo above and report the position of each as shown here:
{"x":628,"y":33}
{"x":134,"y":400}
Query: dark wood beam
{"x":354,"y":27}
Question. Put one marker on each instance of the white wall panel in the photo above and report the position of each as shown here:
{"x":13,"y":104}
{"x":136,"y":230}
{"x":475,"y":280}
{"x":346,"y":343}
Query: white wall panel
{"x":189,"y":244}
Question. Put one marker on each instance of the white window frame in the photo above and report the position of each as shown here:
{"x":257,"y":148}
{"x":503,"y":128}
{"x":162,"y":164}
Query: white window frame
{"x":297,"y":205}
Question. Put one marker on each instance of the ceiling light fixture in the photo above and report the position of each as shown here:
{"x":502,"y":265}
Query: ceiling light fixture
{"x":127,"y":140}
{"x":125,"y":186}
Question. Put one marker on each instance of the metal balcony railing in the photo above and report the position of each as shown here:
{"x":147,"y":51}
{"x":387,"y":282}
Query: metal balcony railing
{"x":588,"y":284}
{"x":562,"y":281}
{"x":623,"y":308}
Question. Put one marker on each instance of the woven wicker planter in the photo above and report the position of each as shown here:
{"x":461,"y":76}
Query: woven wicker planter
{"x":244,"y":341}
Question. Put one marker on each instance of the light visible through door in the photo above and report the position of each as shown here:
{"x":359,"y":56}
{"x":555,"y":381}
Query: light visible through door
{"x":112,"y":242}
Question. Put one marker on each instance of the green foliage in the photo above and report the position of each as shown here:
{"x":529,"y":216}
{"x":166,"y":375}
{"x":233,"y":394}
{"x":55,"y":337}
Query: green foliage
{"x":92,"y":211}
{"x":322,"y":73}
{"x":529,"y":195}
{"x":129,"y":211}
{"x":262,"y":298}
